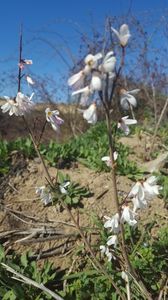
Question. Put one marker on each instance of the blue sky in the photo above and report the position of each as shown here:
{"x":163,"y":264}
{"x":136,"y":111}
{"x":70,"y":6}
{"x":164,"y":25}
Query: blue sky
{"x":62,"y":17}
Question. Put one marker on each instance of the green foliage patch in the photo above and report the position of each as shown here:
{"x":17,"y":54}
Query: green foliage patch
{"x":88,"y":149}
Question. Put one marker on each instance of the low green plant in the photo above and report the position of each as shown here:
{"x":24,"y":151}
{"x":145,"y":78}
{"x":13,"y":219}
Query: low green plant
{"x":73,"y":192}
{"x":88,"y":149}
{"x":11,"y":289}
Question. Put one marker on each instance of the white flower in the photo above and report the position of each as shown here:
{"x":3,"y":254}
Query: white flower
{"x":123,"y":34}
{"x":139,"y":203}
{"x":124,"y":122}
{"x":11,"y":106}
{"x":127,"y":99}
{"x":92,"y":60}
{"x":24,"y":102}
{"x":107,"y":159}
{"x":63,"y":187}
{"x":102,"y":249}
{"x":108,"y":64}
{"x":44,"y":195}
{"x":112,"y":240}
{"x":128,"y":216}
{"x":112,"y":223}
{"x":30,"y":80}
{"x":18,"y":106}
{"x":96,"y":82}
{"x":144,"y":191}
{"x":151,"y":189}
{"x":86,"y":92}
{"x":137,"y":190}
{"x":90,"y":114}
{"x":105,"y":250}
{"x":53,"y":119}
{"x":90,"y":63}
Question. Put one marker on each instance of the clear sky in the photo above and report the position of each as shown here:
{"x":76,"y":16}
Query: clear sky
{"x":63,"y":17}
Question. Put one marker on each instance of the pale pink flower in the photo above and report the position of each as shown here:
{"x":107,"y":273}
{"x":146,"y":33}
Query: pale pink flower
{"x":123,"y":34}
{"x":53,"y":119}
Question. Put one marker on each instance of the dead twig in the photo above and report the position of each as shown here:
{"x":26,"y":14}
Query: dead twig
{"x":29,"y":281}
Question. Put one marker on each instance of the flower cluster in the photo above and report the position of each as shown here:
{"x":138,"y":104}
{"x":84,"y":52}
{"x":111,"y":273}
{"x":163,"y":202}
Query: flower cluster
{"x":19,"y":105}
{"x":141,"y":193}
{"x":98,"y":68}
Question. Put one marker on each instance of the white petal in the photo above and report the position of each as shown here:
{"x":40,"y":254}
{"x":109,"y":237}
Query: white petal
{"x":90,"y":114}
{"x":105,"y":158}
{"x":130,"y":121}
{"x":151,"y":180}
{"x":116,"y":32}
{"x":98,"y":56}
{"x":112,"y":240}
{"x":75,"y":78}
{"x":133,"y":92}
{"x":30,"y":80}
{"x":96,"y":83}
{"x":83,"y":90}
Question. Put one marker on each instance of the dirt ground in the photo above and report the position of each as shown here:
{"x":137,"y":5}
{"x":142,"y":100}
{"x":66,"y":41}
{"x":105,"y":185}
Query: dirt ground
{"x":26,"y":224}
